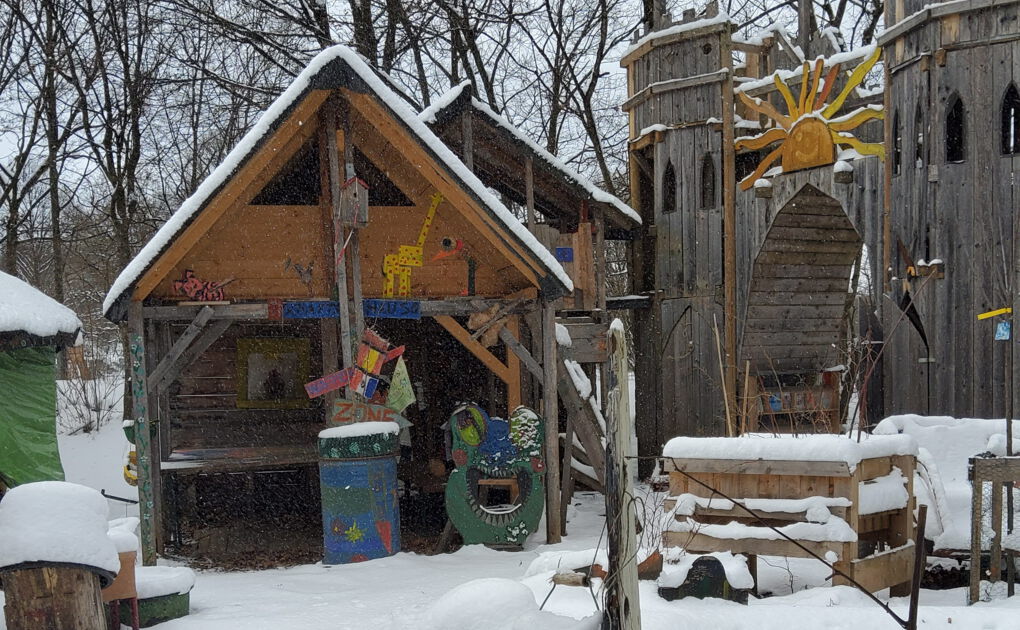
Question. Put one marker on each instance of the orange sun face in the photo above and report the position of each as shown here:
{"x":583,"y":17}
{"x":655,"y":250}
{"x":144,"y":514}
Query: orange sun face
{"x":811,"y":131}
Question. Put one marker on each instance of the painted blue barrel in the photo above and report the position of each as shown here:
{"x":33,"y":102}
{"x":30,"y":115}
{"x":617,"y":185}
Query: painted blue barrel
{"x":358,"y":482}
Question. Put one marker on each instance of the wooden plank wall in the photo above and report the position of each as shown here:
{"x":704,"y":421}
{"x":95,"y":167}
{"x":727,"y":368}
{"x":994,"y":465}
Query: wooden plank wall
{"x":962,"y":213}
{"x":202,"y":411}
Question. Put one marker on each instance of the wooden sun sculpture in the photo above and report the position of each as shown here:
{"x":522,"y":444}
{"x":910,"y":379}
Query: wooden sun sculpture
{"x":809,"y":133}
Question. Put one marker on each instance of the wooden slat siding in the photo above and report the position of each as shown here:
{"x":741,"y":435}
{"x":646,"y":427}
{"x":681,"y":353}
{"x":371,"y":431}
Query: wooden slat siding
{"x":372,"y":125}
{"x":203,"y":411}
{"x":289,"y":137}
{"x":758,"y":467}
{"x":701,"y":543}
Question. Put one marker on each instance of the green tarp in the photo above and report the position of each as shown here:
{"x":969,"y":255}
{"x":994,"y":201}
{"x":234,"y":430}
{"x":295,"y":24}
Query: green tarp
{"x":28,"y":403}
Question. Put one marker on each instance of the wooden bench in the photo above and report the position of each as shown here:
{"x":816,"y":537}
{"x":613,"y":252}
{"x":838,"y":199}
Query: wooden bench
{"x":877,"y":553}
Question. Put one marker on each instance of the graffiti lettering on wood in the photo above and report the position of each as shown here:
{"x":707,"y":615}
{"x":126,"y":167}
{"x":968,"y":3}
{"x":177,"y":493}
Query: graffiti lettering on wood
{"x":311,"y":310}
{"x":350,"y":411}
{"x":392,"y":309}
{"x":200,"y":290}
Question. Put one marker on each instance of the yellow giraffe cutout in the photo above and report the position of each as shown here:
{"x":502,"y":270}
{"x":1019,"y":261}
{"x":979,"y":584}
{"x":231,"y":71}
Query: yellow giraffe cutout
{"x":397,"y":267}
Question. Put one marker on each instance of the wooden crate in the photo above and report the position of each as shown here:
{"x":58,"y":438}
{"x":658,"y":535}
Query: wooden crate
{"x":892,"y":530}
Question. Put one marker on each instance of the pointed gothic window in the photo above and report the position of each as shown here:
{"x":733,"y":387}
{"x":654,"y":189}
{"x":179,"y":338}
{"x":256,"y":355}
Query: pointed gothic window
{"x":707,"y":181}
{"x":1011,"y":121}
{"x":897,"y":156}
{"x":669,"y":188}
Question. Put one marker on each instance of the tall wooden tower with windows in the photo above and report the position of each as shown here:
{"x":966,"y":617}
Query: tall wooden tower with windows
{"x":953,"y":195}
{"x":808,"y":235}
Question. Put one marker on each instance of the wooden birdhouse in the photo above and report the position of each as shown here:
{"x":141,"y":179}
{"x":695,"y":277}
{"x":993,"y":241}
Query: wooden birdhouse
{"x":354,"y":203}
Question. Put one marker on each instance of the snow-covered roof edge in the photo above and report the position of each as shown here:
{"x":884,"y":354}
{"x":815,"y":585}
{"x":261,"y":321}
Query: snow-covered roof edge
{"x":23,"y":308}
{"x":432,"y":113}
{"x":683,"y":27}
{"x":277,"y":112}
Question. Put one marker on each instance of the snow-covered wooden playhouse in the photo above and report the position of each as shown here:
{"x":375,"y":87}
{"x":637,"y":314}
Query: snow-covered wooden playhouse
{"x":342,"y":189}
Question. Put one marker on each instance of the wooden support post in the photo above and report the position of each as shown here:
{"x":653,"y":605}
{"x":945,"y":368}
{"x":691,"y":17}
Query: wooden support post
{"x":513,"y":367}
{"x":623,"y":609}
{"x":355,"y":246}
{"x":522,"y":353}
{"x":566,"y":472}
{"x":995,"y":550}
{"x":143,"y":440}
{"x":334,"y":139}
{"x":529,"y":192}
{"x":330,"y":360}
{"x":977,"y":492}
{"x":154,"y":352}
{"x":53,"y":597}
{"x":729,"y":225}
{"x":550,"y":411}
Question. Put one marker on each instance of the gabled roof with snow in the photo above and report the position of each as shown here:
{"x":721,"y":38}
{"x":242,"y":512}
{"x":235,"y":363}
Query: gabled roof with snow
{"x":333,"y":68}
{"x":457,"y":99}
{"x":29,"y":317}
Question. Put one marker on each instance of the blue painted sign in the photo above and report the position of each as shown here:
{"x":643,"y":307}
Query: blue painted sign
{"x":392,"y":309}
{"x":565,"y":254}
{"x":311,"y":310}
{"x":1002,"y":331}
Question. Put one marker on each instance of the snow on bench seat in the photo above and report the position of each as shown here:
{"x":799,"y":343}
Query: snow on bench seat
{"x":834,"y":529}
{"x":787,"y":448}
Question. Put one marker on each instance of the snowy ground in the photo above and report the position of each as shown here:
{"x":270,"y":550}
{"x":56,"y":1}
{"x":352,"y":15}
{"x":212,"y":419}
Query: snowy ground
{"x":403,"y":591}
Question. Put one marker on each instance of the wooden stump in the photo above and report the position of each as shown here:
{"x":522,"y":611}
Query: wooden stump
{"x":53,"y":597}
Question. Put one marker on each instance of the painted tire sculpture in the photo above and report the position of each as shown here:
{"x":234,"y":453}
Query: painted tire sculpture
{"x":494,"y":454}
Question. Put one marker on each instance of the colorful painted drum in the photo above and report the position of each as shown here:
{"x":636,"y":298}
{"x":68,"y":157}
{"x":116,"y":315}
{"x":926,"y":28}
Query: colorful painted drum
{"x":360,"y":510}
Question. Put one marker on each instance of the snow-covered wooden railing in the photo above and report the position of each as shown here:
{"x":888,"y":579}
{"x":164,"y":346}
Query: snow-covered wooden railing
{"x":827,"y":492}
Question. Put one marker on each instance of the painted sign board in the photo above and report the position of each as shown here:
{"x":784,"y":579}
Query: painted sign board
{"x":311,"y":310}
{"x":392,"y":309}
{"x":330,"y":382}
{"x":351,"y":411}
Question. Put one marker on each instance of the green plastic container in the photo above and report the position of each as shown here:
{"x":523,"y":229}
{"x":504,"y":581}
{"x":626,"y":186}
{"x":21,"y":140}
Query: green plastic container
{"x":156,"y":610}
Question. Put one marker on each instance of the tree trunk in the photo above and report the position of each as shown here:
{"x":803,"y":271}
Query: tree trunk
{"x":54,"y":597}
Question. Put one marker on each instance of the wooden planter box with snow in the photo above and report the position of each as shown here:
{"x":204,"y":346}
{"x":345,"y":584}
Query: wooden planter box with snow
{"x":845,"y":501}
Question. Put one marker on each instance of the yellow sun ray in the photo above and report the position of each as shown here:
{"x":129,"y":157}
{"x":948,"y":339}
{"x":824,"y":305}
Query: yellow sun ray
{"x":815,"y":77}
{"x":766,"y":108}
{"x":864,"y":148}
{"x":855,"y":79}
{"x":791,"y":104}
{"x":804,"y":76}
{"x":765,"y":139}
{"x":763,"y":166}
{"x":856,"y":119}
{"x":830,"y":80}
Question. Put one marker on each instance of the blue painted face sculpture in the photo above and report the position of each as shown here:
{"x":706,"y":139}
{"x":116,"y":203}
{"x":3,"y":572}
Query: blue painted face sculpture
{"x":494,"y":455}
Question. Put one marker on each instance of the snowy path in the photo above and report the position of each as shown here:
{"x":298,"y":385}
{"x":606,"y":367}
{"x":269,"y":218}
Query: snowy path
{"x":398,"y":592}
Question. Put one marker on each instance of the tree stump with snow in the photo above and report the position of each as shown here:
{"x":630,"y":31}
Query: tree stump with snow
{"x":55,"y":597}
{"x":55,"y":556}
